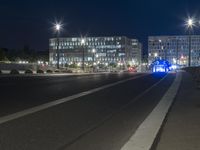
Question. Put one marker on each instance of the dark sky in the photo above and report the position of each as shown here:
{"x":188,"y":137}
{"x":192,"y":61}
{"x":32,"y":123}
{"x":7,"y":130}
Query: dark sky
{"x":28,"y":22}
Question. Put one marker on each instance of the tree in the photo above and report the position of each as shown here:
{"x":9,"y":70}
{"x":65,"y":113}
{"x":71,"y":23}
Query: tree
{"x":73,"y":65}
{"x":114,"y":65}
{"x":2,"y":55}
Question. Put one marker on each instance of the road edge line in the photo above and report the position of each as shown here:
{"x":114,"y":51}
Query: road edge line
{"x":112,"y":114}
{"x":145,"y":135}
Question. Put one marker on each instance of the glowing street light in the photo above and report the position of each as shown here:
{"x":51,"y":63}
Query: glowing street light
{"x":58,"y":28}
{"x":190,"y":23}
{"x":93,"y":51}
{"x":82,"y":41}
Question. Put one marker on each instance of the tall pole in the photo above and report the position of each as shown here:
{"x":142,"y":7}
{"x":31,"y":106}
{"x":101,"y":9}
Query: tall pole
{"x":93,"y":52}
{"x":177,"y":48}
{"x":83,"y":58}
{"x":189,"y":58}
{"x":58,"y":52}
{"x":165,"y":54}
{"x":190,"y":23}
{"x":58,"y":27}
{"x":93,"y":61}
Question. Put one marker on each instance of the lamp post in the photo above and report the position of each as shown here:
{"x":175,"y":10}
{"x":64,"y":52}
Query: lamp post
{"x":83,"y":53}
{"x":93,"y":52}
{"x":190,"y":23}
{"x":177,"y":49}
{"x":58,"y":27}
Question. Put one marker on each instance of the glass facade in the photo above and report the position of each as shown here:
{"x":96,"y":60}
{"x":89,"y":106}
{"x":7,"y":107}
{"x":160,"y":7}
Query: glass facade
{"x":102,"y":50}
{"x":175,"y":49}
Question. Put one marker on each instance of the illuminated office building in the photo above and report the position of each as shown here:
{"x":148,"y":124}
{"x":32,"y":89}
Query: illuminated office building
{"x":101,"y":50}
{"x":174,"y":49}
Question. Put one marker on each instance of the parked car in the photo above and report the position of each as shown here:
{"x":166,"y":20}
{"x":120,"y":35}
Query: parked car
{"x":132,"y":69}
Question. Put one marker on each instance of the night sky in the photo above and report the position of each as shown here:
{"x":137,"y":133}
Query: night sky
{"x":28,"y":22}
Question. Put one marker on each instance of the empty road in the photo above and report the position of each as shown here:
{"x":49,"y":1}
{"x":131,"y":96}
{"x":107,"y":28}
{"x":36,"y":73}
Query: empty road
{"x":88,"y":112}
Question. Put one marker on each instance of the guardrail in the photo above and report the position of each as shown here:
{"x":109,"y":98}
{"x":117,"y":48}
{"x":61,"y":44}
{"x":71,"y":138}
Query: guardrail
{"x":29,"y":71}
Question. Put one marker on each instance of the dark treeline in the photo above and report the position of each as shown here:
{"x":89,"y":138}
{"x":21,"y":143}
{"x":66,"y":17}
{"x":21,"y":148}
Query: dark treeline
{"x":24,"y":54}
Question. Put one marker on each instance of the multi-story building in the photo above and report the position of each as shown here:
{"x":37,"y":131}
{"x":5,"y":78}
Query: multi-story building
{"x":101,"y":50}
{"x":174,"y":49}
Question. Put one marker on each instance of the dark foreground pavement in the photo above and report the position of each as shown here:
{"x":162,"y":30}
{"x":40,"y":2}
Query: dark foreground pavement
{"x":182,"y":128}
{"x":103,"y":120}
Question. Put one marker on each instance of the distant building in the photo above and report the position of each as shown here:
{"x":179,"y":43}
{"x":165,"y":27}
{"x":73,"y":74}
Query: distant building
{"x":174,"y":49}
{"x":101,"y":50}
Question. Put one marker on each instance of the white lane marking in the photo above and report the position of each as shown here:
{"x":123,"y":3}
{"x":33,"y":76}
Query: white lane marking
{"x":32,"y":110}
{"x":146,"y":133}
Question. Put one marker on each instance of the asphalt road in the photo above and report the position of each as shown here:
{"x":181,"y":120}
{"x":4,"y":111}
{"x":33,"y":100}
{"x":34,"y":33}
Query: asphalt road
{"x":103,"y":120}
{"x":21,"y":92}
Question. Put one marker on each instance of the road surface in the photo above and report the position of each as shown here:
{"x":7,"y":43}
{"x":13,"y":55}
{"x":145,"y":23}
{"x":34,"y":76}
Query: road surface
{"x":102,"y":120}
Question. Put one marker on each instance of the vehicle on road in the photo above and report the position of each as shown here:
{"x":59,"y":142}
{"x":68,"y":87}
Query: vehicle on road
{"x":132,"y":69}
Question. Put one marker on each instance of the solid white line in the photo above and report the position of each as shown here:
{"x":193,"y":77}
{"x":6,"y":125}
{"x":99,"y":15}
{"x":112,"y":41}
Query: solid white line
{"x":32,"y":110}
{"x":146,"y":133}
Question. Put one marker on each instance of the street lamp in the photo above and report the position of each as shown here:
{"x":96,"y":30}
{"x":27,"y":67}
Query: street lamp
{"x":83,"y":54}
{"x":57,"y":28}
{"x":155,"y":55}
{"x":190,"y":23}
{"x":177,"y":51}
{"x":93,"y":52}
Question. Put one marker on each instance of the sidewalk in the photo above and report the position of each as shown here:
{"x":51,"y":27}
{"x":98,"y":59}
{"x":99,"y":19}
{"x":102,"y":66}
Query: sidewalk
{"x":182,"y":128}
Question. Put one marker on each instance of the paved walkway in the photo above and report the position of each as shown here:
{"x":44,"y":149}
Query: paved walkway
{"x":182,"y":128}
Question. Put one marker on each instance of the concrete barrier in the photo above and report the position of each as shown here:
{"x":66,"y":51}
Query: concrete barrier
{"x":11,"y":66}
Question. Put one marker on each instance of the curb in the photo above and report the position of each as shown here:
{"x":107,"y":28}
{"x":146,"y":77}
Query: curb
{"x":147,"y":132}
